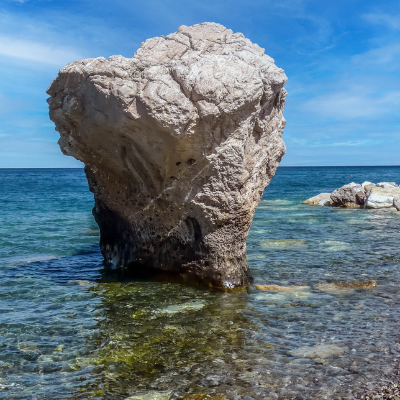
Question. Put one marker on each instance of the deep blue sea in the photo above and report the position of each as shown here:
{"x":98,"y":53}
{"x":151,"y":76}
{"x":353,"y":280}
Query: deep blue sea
{"x":70,"y":330}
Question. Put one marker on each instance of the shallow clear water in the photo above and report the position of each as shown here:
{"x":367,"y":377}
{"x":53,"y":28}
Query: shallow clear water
{"x":68,"y":330}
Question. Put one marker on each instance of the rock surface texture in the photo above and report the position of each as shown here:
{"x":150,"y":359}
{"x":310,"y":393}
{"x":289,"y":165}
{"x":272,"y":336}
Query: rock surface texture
{"x":349,"y":196}
{"x":322,"y":199}
{"x":365,"y":195}
{"x":178,"y":143}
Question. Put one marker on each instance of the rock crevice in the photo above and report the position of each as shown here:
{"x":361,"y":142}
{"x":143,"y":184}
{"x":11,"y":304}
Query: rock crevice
{"x":178,"y":143}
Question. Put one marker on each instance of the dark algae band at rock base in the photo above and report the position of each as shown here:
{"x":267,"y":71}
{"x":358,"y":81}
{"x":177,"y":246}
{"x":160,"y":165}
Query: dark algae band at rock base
{"x":179,"y":143}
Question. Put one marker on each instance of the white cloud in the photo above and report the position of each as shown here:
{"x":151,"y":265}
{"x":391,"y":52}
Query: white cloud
{"x":315,"y":33}
{"x":388,"y":20}
{"x":36,"y":51}
{"x":358,"y":143}
{"x":387,"y":56}
{"x":353,"y":103}
{"x":328,"y":142}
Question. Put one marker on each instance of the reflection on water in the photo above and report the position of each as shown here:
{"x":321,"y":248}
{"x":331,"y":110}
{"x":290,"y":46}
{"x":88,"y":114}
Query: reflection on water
{"x":69,"y":330}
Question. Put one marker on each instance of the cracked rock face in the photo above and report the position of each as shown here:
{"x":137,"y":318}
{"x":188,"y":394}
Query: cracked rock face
{"x":178,"y":143}
{"x":350,"y":196}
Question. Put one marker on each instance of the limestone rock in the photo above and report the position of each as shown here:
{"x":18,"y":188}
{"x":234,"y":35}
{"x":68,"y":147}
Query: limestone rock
{"x":339,"y":287}
{"x":382,"y":196}
{"x":350,"y":196}
{"x":396,"y":202}
{"x":322,"y":199}
{"x":367,"y":186}
{"x":152,"y":395}
{"x":387,"y":185}
{"x":281,"y":288}
{"x":178,"y":143}
{"x":202,"y":396}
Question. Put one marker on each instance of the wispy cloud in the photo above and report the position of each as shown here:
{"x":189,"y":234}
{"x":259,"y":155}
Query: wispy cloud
{"x":61,"y":35}
{"x":387,"y":20}
{"x":327,"y":142}
{"x":353,"y":103}
{"x":36,"y":51}
{"x":387,"y":56}
{"x":314,"y":31}
{"x":358,"y":143}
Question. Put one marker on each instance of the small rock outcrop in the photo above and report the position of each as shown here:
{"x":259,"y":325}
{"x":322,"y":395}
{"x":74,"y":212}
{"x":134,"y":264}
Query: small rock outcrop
{"x":365,"y":195}
{"x":178,"y":143}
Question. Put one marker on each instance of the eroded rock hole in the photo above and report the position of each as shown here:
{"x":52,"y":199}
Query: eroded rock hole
{"x":257,"y":132}
{"x":194,"y":229}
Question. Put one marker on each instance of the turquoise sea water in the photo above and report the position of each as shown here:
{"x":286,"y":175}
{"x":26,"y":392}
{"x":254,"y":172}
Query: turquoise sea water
{"x":70,"y":330}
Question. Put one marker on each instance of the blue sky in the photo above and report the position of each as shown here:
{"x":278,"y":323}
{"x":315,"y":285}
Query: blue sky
{"x":342,"y":59}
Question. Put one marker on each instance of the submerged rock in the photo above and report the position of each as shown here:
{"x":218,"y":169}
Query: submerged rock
{"x":335,"y":245}
{"x":282,"y":288}
{"x":192,"y":305}
{"x":178,"y":143}
{"x":319,"y":351}
{"x":366,"y":195}
{"x":81,"y":283}
{"x":202,"y":396}
{"x":283,"y":244}
{"x":339,"y":287}
{"x":152,"y":395}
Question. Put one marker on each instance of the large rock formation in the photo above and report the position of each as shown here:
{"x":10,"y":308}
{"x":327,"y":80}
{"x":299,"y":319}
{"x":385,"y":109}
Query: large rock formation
{"x":178,"y":143}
